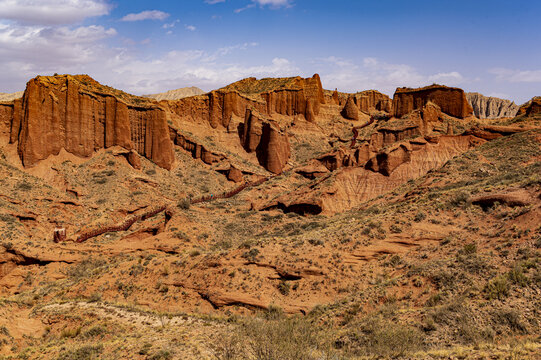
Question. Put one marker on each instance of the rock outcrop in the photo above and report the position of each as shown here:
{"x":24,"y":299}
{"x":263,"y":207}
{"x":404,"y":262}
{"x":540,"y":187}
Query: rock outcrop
{"x":451,"y":101}
{"x":532,"y":107}
{"x":351,"y":110}
{"x":486,"y":107}
{"x":285,"y":96}
{"x":269,"y":142}
{"x":80,"y":115}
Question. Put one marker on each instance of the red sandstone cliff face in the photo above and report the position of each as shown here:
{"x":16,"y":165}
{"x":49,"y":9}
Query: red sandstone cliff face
{"x":285,"y":96}
{"x":81,"y":116}
{"x":267,"y":140}
{"x":452,"y":101}
{"x":531,"y":107}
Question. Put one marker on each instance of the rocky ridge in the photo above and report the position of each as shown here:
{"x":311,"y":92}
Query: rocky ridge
{"x":176,"y":94}
{"x":487,"y":107}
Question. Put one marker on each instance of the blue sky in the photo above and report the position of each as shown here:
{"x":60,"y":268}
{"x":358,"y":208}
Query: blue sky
{"x":152,"y":46}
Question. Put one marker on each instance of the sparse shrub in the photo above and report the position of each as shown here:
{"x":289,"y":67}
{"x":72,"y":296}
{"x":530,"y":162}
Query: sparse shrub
{"x":460,"y":198}
{"x":150,"y":172}
{"x":163,"y":354}
{"x":381,"y":338}
{"x":24,"y":186}
{"x":420,"y":216}
{"x":195,"y":252}
{"x":316,"y":242}
{"x":85,"y":352}
{"x":497,"y":288}
{"x":517,"y":276}
{"x":95,"y":331}
{"x":284,"y":287}
{"x":70,"y":333}
{"x":469,"y":249}
{"x":184,"y":204}
{"x":251,"y":254}
{"x":395,"y":229}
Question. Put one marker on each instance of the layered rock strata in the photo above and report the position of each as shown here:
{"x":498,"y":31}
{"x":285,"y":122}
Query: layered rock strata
{"x":451,"y":101}
{"x":81,"y":116}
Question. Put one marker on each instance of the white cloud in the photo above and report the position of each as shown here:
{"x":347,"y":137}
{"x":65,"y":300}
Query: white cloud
{"x":146,"y":15}
{"x":190,"y":27}
{"x":48,"y":12}
{"x":273,"y":3}
{"x":171,"y":25}
{"x":372,"y":73}
{"x":516,"y":76}
{"x":212,"y":2}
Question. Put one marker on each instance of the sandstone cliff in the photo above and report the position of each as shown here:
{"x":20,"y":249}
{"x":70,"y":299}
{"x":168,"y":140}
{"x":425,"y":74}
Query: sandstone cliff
{"x":452,"y":101}
{"x":80,"y":115}
{"x":486,"y":107}
{"x":176,"y":94}
{"x":285,"y":96}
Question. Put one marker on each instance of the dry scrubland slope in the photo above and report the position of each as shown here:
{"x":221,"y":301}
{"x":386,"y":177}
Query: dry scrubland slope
{"x":420,"y":240}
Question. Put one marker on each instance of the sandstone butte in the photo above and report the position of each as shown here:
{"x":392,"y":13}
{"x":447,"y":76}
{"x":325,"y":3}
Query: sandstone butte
{"x":452,"y":101}
{"x":81,"y":116}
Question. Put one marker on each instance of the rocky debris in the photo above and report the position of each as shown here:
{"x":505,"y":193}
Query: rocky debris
{"x":452,"y":101}
{"x":176,"y":94}
{"x":266,"y":138}
{"x":81,"y":116}
{"x":532,"y":107}
{"x":487,"y":107}
{"x":351,"y":110}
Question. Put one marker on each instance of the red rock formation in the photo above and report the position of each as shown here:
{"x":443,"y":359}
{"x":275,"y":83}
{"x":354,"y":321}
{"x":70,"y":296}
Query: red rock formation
{"x":197,"y":150}
{"x":351,"y":110}
{"x":286,"y":96}
{"x":267,"y":140}
{"x":452,"y":101}
{"x":532,"y":107}
{"x":80,"y":115}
